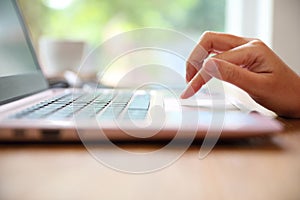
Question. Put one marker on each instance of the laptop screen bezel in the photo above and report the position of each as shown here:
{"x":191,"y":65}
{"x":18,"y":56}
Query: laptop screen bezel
{"x":19,"y":86}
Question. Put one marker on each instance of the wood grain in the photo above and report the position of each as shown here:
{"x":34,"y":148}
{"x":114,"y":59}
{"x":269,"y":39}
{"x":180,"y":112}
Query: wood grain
{"x":258,"y":168}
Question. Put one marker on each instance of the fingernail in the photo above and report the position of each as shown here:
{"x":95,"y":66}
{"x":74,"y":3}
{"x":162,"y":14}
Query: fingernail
{"x":188,"y":92}
{"x":211,"y":67}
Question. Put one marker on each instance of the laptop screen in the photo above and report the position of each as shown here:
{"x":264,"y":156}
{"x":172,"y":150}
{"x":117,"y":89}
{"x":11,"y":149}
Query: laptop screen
{"x":20,"y":74}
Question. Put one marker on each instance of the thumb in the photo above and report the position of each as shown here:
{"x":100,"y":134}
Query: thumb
{"x":232,"y":73}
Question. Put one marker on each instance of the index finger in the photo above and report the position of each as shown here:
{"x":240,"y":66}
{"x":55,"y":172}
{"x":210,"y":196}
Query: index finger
{"x":211,"y":42}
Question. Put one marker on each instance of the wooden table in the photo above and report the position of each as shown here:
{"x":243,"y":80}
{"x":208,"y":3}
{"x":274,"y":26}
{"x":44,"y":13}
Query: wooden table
{"x":264,"y":168}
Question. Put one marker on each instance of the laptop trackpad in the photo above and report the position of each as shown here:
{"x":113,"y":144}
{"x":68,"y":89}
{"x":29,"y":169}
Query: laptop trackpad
{"x":208,"y":103}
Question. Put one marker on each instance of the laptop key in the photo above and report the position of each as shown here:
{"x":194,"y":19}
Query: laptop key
{"x":84,"y":105}
{"x":140,"y":102}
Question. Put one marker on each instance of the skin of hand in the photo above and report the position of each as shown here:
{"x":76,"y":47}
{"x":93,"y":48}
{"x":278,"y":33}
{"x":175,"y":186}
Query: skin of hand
{"x":249,"y":64}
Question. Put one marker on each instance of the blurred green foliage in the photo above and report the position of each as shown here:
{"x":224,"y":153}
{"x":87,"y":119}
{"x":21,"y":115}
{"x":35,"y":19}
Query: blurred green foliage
{"x":96,"y":20}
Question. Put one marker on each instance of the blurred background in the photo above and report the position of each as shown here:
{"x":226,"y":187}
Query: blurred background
{"x":94,"y":21}
{"x":97,"y":20}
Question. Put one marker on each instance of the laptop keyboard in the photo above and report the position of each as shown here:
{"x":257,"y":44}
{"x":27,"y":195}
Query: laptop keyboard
{"x":104,"y":106}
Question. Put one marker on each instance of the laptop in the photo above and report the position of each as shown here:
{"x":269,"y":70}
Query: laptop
{"x":31,"y":111}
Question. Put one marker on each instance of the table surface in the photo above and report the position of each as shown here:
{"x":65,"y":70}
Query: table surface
{"x":256,"y":168}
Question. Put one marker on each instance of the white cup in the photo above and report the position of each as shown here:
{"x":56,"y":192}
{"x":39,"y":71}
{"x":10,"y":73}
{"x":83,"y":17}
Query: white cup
{"x":60,"y":55}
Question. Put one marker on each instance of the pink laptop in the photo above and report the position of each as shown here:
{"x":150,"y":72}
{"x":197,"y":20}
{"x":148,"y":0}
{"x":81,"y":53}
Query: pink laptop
{"x":31,"y":111}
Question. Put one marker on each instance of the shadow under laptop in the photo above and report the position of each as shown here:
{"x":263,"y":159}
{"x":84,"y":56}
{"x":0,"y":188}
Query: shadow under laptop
{"x":258,"y":143}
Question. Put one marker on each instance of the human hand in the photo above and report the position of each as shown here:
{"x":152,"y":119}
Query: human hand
{"x":249,"y":64}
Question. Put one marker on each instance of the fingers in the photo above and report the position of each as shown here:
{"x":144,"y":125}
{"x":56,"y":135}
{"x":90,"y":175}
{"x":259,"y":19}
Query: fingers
{"x":210,"y":42}
{"x":195,"y":84}
{"x":221,"y":69}
{"x":244,"y":56}
{"x":195,"y":62}
{"x":220,"y":42}
{"x":251,"y":55}
{"x":234,"y":74}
